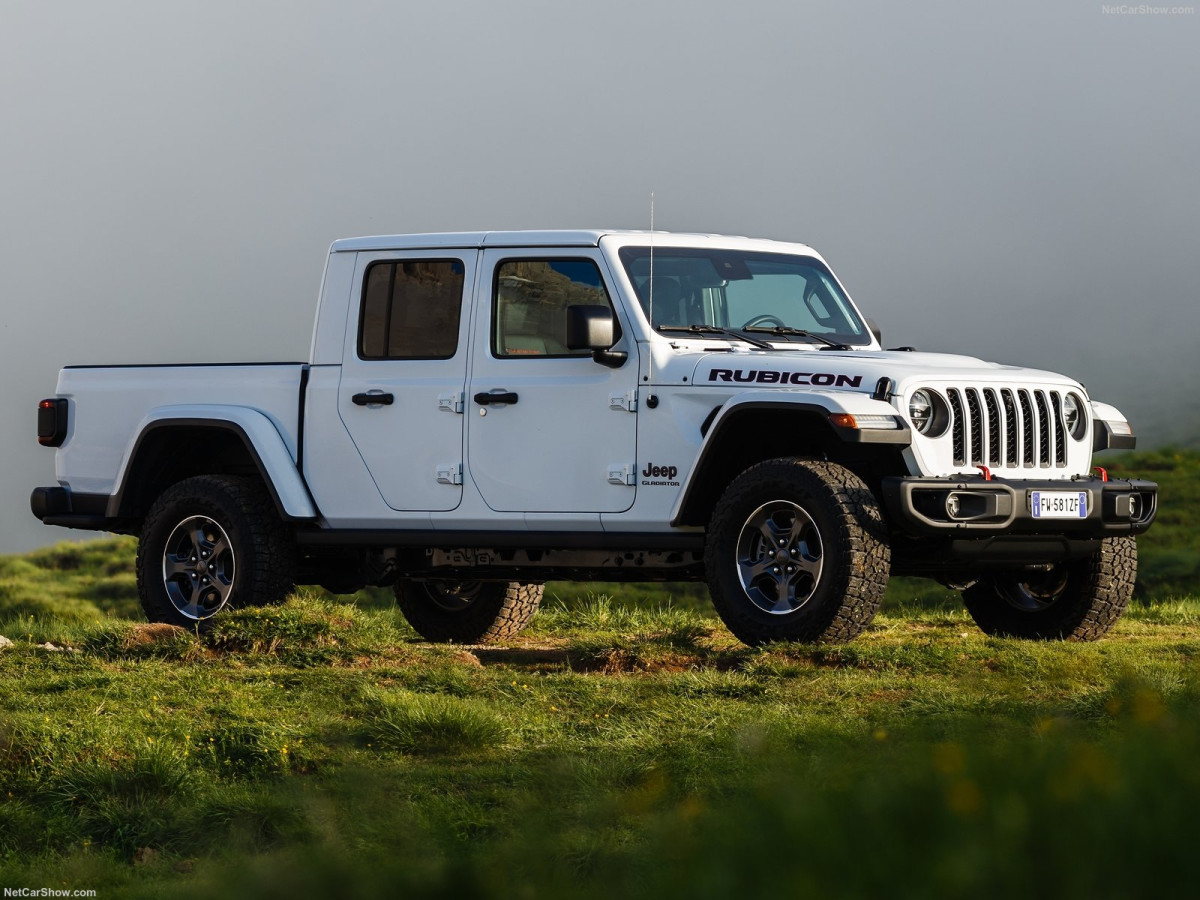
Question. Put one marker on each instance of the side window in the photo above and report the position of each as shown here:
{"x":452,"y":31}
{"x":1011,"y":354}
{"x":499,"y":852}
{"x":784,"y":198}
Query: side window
{"x":410,"y":309}
{"x":530,"y":298}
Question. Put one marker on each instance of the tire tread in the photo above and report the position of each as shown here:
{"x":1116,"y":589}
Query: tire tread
{"x":266,"y":579}
{"x":862,"y":560}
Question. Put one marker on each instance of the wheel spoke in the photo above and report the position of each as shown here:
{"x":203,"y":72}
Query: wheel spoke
{"x":194,"y":595}
{"x":755,"y":569}
{"x":219,"y":546}
{"x":173,"y":565}
{"x":199,"y":541}
{"x":806,"y":563}
{"x":795,"y":531}
{"x":785,"y":594}
{"x":769,"y":532}
{"x":222,"y":587}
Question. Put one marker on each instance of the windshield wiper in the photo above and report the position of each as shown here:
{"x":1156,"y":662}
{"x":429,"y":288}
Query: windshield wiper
{"x":717,"y":329}
{"x":785,"y":330}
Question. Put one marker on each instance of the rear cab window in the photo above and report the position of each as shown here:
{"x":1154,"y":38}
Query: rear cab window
{"x":410,"y":309}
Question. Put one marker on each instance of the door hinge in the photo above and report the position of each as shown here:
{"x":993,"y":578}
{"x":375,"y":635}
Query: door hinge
{"x":450,"y":474}
{"x":455,"y":403}
{"x":622,"y":474}
{"x":626,"y":401}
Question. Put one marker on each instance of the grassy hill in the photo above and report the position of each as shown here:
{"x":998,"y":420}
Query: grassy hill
{"x":618,"y":748}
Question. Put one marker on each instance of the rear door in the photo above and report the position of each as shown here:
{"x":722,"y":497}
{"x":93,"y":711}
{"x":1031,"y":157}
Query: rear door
{"x":550,"y":430}
{"x":404,"y":372}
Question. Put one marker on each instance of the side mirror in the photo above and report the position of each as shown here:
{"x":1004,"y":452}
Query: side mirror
{"x":875,"y":330}
{"x":589,"y":328}
{"x":593,"y":328}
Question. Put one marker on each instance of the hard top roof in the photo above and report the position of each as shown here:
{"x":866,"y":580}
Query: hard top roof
{"x":476,"y":239}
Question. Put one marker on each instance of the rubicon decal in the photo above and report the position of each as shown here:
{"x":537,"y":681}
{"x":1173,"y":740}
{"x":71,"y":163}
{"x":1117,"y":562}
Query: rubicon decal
{"x":660,"y":475}
{"x":774,"y":376}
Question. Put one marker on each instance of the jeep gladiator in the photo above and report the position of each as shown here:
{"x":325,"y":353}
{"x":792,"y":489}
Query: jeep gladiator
{"x":482,"y":412}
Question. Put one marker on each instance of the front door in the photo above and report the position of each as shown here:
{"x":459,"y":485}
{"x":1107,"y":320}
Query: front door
{"x":404,"y":371}
{"x":549,"y":429}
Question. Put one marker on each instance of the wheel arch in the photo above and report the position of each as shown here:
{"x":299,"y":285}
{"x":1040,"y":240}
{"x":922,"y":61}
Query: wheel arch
{"x":181,"y":442}
{"x":800,"y":428}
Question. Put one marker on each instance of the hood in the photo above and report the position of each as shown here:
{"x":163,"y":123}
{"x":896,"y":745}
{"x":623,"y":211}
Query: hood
{"x":845,"y":369}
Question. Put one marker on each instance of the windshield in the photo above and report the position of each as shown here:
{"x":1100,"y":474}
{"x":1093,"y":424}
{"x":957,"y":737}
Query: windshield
{"x":742,"y":290}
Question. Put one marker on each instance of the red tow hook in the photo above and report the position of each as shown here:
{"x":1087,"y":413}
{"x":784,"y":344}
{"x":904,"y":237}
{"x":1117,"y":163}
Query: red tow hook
{"x":1103,"y":472}
{"x":987,"y":473}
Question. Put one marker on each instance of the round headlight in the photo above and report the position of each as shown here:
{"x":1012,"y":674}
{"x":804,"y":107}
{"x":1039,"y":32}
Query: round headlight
{"x":928,"y":412}
{"x":920,"y":410}
{"x":1073,"y":417}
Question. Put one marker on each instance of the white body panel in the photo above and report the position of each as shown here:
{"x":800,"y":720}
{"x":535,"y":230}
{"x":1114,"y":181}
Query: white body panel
{"x":110,"y":407}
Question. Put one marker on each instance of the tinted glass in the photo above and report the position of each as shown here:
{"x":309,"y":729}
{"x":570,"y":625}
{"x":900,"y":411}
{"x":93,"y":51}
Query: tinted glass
{"x":410,"y":309}
{"x":531,"y":298}
{"x":735,"y":289}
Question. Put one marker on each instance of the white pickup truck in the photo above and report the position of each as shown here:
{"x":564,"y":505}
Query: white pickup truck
{"x":482,"y":412}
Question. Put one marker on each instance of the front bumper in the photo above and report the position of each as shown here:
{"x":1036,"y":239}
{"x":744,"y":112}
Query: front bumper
{"x":923,"y":507}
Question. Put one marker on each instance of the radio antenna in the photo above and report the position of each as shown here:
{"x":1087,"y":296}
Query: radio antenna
{"x":650,"y":344}
{"x":652,"y":259}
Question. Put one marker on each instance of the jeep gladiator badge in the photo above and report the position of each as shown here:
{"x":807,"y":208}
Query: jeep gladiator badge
{"x":660,"y":475}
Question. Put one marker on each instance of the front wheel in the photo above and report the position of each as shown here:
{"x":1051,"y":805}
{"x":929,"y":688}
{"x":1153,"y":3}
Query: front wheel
{"x":208,"y":543}
{"x":467,"y":612}
{"x":1077,"y":601}
{"x":797,"y":551}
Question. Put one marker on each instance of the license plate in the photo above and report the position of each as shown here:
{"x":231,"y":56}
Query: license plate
{"x":1059,"y":504}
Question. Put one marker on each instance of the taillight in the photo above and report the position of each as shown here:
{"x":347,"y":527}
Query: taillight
{"x":52,"y":422}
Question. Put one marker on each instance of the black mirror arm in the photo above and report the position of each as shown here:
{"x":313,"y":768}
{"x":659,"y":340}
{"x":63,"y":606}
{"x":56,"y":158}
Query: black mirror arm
{"x":613,"y":359}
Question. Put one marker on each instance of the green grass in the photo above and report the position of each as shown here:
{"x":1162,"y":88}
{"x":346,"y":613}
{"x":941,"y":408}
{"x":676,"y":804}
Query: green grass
{"x":319,"y":749}
{"x":625,"y":745}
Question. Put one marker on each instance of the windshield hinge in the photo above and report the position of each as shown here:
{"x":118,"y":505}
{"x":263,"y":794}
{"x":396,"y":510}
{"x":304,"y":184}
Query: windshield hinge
{"x":626,"y":401}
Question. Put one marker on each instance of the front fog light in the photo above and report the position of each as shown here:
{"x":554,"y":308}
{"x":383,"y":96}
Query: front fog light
{"x":952,"y":506}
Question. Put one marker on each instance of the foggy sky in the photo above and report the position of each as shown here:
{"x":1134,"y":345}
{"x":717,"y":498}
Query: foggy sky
{"x":1017,"y":181}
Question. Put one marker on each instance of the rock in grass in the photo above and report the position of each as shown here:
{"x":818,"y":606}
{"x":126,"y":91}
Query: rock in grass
{"x":5,"y":643}
{"x":55,"y":648}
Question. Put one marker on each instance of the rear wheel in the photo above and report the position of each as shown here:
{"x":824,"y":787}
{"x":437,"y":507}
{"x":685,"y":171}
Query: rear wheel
{"x":209,"y":543}
{"x":467,"y":612}
{"x":1077,"y":601}
{"x":797,"y":551}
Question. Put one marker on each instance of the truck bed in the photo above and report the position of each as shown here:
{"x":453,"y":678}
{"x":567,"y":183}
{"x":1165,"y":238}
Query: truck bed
{"x":111,"y":404}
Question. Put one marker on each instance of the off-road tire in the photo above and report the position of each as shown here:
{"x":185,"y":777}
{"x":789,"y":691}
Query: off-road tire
{"x":851,"y":548}
{"x":1077,"y":601}
{"x":467,"y":612}
{"x":263,"y":554}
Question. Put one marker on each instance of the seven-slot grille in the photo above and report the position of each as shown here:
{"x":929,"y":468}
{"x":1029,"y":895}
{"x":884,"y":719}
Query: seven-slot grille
{"x":1007,"y":427}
